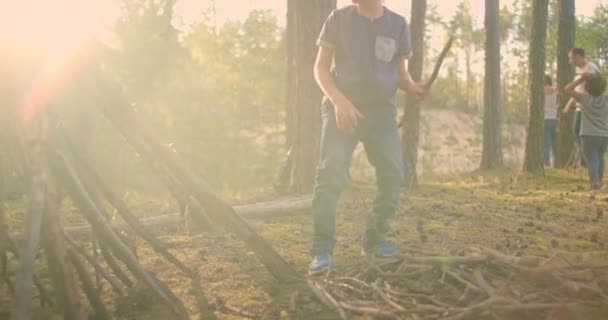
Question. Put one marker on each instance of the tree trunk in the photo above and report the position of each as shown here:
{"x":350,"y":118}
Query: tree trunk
{"x":469,"y":74}
{"x":410,"y":136}
{"x":290,"y":40}
{"x":566,"y":34}
{"x":533,"y":160}
{"x":492,"y":118}
{"x":309,"y":16}
{"x":283,"y":181}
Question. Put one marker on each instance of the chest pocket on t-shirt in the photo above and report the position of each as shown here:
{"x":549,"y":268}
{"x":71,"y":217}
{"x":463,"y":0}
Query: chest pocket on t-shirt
{"x":385,"y":48}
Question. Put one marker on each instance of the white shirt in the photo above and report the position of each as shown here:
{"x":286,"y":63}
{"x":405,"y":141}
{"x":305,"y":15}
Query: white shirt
{"x":590,"y":67}
{"x":551,"y":106}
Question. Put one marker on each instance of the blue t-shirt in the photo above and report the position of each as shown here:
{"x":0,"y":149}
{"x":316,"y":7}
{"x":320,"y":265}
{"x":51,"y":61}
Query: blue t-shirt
{"x":367,"y":54}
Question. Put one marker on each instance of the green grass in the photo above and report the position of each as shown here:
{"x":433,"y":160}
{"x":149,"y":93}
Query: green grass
{"x":512,"y":212}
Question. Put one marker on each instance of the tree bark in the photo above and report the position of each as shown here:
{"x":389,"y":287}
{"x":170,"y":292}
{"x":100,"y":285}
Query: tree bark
{"x":309,"y":16}
{"x":410,"y":135}
{"x":492,"y":118}
{"x":533,"y":160}
{"x":565,"y":73}
{"x":291,"y":71}
{"x":283,"y":180}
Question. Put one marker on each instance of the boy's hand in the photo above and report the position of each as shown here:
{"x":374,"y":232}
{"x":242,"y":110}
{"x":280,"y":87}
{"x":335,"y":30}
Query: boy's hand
{"x":419,"y":90}
{"x":570,"y":106}
{"x":347,"y":116}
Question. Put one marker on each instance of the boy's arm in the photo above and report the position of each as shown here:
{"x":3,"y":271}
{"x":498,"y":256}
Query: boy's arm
{"x":570,"y":90}
{"x":323,"y":75}
{"x":570,"y":106}
{"x":407,"y":84}
{"x":347,"y":116}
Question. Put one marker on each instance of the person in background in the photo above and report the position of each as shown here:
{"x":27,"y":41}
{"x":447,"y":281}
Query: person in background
{"x":550,"y":119}
{"x":361,"y":63}
{"x":594,"y":123}
{"x":579,"y":60}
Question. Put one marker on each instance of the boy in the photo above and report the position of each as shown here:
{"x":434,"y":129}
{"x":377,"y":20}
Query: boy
{"x":579,"y":60}
{"x":360,"y":65}
{"x":594,"y":123}
{"x":550,"y":119}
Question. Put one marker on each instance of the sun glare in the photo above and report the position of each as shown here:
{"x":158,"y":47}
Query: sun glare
{"x":58,"y":35}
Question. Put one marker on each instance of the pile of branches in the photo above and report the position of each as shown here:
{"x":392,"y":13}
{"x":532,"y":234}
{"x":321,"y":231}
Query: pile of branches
{"x":423,"y":285}
{"x":57,"y":171}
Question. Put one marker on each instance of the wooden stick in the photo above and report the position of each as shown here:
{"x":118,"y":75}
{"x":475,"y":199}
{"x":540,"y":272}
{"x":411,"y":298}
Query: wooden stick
{"x":436,"y":69}
{"x":463,"y":281}
{"x":61,"y":271}
{"x":483,"y":284}
{"x":25,"y":273}
{"x":43,"y":292}
{"x":88,"y":287}
{"x":147,"y":145}
{"x":439,"y":62}
{"x":448,"y":260}
{"x":63,"y":169}
{"x":95,"y":258}
{"x":3,"y":240}
{"x":182,"y":196}
{"x":254,"y":211}
{"x":94,"y":183}
{"x":204,"y":308}
{"x":523,"y":262}
{"x":385,"y":297}
{"x":114,"y":266}
{"x":98,"y":268}
{"x":326,"y":298}
{"x":133,"y":222}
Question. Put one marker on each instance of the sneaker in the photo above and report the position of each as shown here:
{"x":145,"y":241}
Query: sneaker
{"x":382,"y":250}
{"x":320,"y":264}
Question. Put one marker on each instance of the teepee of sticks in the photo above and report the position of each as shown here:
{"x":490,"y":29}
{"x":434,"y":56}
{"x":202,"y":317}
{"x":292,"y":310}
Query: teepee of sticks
{"x":56,"y":169}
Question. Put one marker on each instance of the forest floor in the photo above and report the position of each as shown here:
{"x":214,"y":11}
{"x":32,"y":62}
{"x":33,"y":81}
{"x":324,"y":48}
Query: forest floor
{"x":512,"y":213}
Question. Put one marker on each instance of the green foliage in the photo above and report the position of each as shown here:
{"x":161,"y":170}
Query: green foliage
{"x":592,"y":36}
{"x":216,"y":94}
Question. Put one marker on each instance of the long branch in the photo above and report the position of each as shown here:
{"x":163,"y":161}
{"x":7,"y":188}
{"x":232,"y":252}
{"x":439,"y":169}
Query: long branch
{"x":93,"y":214}
{"x":33,"y":222}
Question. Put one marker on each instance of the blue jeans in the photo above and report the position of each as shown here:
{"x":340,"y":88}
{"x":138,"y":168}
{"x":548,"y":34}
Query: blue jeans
{"x":576,"y":132}
{"x":594,"y":148}
{"x":379,"y":133}
{"x":549,"y":140}
{"x":576,"y":126}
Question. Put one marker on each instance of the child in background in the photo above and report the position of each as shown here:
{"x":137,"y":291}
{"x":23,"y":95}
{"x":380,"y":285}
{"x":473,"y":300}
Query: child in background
{"x":594,"y":124}
{"x":550,"y":119}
